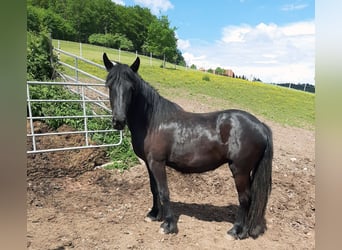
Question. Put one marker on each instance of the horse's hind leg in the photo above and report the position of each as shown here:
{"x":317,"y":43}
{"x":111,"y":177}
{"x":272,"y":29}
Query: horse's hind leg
{"x":156,"y":213}
{"x":242,"y":183}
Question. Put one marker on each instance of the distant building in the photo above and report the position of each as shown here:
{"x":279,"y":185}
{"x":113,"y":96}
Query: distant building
{"x":228,"y":72}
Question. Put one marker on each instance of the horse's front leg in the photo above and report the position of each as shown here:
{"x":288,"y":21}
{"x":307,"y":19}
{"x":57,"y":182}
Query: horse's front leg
{"x":158,"y":171}
{"x":156,"y":213}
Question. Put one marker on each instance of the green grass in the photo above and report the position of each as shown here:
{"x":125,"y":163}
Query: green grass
{"x":282,"y":105}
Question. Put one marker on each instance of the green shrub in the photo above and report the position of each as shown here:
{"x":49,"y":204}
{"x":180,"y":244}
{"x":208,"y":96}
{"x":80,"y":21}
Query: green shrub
{"x":109,"y":40}
{"x":40,"y":59}
{"x":206,"y":78}
{"x":41,"y":109}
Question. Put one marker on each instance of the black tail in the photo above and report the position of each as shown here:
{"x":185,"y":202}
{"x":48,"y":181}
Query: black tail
{"x":261,"y":189}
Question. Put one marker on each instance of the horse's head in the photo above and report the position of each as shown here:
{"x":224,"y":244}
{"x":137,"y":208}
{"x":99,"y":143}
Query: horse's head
{"x":120,"y":81}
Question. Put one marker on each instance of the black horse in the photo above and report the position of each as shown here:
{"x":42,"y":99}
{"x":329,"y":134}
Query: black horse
{"x":164,"y":134}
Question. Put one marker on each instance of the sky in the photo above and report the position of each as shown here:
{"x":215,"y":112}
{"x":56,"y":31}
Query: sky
{"x":273,"y":40}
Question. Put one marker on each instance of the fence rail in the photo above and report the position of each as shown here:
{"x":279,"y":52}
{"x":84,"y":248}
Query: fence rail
{"x":93,"y":94}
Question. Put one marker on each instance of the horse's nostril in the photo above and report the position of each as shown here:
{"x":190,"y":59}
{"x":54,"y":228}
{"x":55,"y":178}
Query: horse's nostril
{"x":117,"y":124}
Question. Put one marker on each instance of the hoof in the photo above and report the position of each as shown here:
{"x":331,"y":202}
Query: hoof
{"x":153,"y":216}
{"x":161,"y":231}
{"x":257,"y":231}
{"x":230,"y":237}
{"x":237,"y":232}
{"x":234,"y":231}
{"x":148,"y":219}
{"x":243,"y":235}
{"x":168,"y":228}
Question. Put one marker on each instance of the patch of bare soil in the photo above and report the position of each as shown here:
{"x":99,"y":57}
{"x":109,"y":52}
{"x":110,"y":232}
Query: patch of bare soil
{"x":71,"y":204}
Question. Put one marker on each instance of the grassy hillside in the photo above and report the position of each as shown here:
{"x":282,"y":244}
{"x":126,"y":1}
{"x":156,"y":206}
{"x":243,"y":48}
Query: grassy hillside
{"x":282,"y":105}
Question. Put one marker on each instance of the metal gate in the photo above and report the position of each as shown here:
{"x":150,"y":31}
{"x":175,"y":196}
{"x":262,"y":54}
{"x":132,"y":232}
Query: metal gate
{"x":91,"y":98}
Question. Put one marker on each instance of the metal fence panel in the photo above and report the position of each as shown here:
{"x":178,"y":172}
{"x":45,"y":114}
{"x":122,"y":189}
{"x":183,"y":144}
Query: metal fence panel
{"x":86,"y":132}
{"x":93,"y":94}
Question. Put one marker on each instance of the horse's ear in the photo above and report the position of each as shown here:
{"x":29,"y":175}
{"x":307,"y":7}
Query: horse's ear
{"x":135,"y":65}
{"x":108,"y":64}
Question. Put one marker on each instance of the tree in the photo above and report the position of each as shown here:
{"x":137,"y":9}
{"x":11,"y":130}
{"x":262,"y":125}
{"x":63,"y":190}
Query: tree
{"x":256,"y":79}
{"x":77,"y":20}
{"x":161,"y":40}
{"x":180,"y":59}
{"x":219,"y":71}
{"x":39,"y":19}
{"x":135,"y":23}
{"x":82,"y":18}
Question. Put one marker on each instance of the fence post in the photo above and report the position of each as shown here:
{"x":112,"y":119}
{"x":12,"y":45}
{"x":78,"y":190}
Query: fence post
{"x":119,"y":54}
{"x":59,"y":47}
{"x":85,"y":116}
{"x":76,"y":69}
{"x":31,"y":117}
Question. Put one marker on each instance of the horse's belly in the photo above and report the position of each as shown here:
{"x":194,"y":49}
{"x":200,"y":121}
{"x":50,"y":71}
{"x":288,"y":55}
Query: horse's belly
{"x":196,"y":160}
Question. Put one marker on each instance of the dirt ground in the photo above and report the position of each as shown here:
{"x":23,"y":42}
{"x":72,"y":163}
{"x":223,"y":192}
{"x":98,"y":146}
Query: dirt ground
{"x":73,"y":204}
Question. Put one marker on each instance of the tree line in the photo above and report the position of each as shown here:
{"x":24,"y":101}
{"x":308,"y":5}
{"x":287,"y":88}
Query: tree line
{"x":103,"y":22}
{"x":307,"y":87}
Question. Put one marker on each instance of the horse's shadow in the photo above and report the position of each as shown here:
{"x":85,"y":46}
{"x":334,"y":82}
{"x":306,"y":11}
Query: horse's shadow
{"x":205,"y":212}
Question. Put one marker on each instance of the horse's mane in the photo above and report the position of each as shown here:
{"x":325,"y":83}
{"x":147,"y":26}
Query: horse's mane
{"x":156,"y":106}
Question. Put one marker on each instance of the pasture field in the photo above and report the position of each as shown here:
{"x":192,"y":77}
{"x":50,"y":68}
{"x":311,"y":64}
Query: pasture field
{"x":282,"y":105}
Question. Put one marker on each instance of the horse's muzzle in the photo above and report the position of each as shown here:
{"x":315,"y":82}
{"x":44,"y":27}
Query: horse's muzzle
{"x":119,"y":124}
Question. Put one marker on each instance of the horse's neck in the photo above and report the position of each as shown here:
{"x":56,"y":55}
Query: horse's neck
{"x":148,"y":111}
{"x":149,"y":107}
{"x":145,"y":114}
{"x":138,"y":121}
